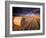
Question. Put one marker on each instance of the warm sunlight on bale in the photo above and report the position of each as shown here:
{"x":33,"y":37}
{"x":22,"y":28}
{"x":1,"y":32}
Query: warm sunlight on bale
{"x":17,"y":21}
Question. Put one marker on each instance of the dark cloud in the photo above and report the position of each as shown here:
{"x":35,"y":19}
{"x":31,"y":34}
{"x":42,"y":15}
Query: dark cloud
{"x":21,"y":11}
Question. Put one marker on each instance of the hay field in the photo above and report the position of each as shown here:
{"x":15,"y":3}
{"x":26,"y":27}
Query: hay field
{"x":26,"y":23}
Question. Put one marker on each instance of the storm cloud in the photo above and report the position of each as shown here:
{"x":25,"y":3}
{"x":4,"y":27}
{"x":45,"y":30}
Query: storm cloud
{"x":24,"y":11}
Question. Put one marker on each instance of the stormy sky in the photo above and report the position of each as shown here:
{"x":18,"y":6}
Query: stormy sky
{"x":25,"y":11}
